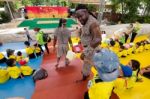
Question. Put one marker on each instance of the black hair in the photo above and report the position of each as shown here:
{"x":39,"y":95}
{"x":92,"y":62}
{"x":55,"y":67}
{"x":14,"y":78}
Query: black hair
{"x":138,"y":43}
{"x":9,"y":52}
{"x":61,"y":21}
{"x":112,"y":42}
{"x":36,"y":44}
{"x":135,"y":66}
{"x":27,"y":43}
{"x":83,"y":6}
{"x":10,"y":62}
{"x":19,"y":53}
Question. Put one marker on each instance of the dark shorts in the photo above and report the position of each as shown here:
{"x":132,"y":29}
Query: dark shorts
{"x":38,"y":54}
{"x":3,"y":60}
{"x":31,"y":56}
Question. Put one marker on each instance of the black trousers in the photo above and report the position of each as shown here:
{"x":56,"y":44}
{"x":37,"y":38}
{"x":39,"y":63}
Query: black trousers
{"x":29,"y":38}
{"x":133,"y":36}
{"x":46,"y":47}
{"x":86,"y":95}
{"x":126,"y":37}
{"x":31,"y":56}
{"x":38,"y":54}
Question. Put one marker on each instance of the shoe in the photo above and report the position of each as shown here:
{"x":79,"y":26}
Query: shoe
{"x":67,"y":62}
{"x":56,"y":66}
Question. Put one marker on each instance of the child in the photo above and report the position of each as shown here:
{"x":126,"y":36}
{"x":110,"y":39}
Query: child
{"x":145,"y":72}
{"x":37,"y":50}
{"x":135,"y":65}
{"x":2,"y":58}
{"x":19,"y":56}
{"x":101,"y":86}
{"x":104,"y":36}
{"x":27,"y":34}
{"x":128,"y":75}
{"x":12,"y":69}
{"x":10,"y":54}
{"x":25,"y":69}
{"x":29,"y":50}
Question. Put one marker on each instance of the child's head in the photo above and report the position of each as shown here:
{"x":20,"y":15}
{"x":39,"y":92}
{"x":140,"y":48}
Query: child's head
{"x":19,"y":53}
{"x":35,"y":45}
{"x":11,"y":62}
{"x":36,"y":29}
{"x":25,"y":28}
{"x":138,"y":44}
{"x":103,"y":32}
{"x":135,"y":65}
{"x":27,"y":43}
{"x":10,"y":52}
{"x":112,"y":42}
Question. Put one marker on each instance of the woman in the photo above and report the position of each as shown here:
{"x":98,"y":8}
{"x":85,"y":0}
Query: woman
{"x":39,"y":38}
{"x":62,"y":36}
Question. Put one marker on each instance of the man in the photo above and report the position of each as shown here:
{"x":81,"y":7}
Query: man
{"x":90,"y":36}
{"x":129,"y":30}
{"x":136,"y":30}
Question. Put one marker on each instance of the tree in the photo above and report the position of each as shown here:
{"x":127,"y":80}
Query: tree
{"x":129,"y":8}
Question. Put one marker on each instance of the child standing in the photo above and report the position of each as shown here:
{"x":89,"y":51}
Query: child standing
{"x":12,"y":69}
{"x":62,"y":36}
{"x":27,"y":34}
{"x":29,"y":50}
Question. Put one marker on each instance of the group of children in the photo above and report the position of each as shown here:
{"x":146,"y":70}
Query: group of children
{"x":128,"y":48}
{"x":12,"y":60}
{"x":110,"y":75}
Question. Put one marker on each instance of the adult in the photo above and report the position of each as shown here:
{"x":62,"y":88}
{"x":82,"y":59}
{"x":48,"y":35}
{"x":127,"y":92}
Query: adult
{"x":135,"y":31}
{"x":62,"y":36}
{"x":90,"y":36}
{"x":129,"y":30}
{"x":27,"y":34}
{"x":39,"y":39}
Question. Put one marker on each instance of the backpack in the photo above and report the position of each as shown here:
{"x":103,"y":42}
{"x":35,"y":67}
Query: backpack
{"x":40,"y":74}
{"x":46,"y":37}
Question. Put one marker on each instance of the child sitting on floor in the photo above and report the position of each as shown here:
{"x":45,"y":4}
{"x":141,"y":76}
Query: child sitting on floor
{"x":12,"y":69}
{"x":25,"y":69}
{"x":2,"y":58}
{"x":10,"y":54}
{"x":19,"y":56}
{"x":29,"y":50}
